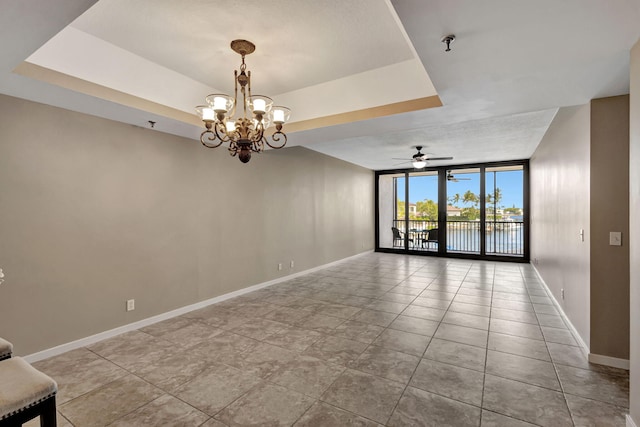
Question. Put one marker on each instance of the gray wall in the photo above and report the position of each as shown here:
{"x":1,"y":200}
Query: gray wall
{"x":609,"y":212}
{"x":580,"y":180}
{"x":559,"y":172}
{"x":634,"y":231}
{"x":95,"y":212}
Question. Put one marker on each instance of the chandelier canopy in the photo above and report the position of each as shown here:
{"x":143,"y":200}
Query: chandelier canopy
{"x":244,"y":134}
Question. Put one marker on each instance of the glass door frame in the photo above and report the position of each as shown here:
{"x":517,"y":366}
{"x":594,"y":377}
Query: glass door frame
{"x":442,"y":211}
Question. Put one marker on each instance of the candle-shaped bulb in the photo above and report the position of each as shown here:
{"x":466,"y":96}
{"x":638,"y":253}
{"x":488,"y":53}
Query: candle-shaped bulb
{"x":278,"y":116}
{"x":208,"y":114}
{"x":259,"y":106}
{"x":219,"y":104}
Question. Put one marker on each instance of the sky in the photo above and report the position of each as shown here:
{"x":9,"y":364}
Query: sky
{"x":426,"y":187}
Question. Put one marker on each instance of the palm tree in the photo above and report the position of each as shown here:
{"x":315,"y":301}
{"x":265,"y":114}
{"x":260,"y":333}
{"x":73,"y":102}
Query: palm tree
{"x":455,"y":199}
{"x":470,"y":197}
{"x":497,"y":195}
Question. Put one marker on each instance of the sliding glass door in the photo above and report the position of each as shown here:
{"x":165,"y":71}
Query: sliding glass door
{"x":423,"y":210}
{"x":463,"y":211}
{"x":504,"y":206}
{"x":476,"y":211}
{"x":391,"y":212}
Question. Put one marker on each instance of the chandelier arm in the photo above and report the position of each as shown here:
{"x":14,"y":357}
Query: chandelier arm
{"x":243,"y":88}
{"x":276,"y":137}
{"x":249,"y":82}
{"x":221,"y":133}
{"x":211,"y":137}
{"x":257,"y":145}
{"x":235,"y":94}
{"x":259,"y":132}
{"x":233,"y":148}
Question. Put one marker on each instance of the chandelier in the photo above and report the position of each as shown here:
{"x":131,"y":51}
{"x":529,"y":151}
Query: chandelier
{"x":244,"y":134}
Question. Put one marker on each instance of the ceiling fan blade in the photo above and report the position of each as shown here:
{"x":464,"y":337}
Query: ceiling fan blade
{"x":396,"y":158}
{"x":439,"y":158}
{"x":401,"y":163}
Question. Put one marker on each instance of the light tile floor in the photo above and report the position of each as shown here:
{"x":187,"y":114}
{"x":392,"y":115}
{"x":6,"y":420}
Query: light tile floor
{"x":377,"y":340}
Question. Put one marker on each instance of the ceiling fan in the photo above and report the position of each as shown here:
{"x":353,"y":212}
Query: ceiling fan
{"x":452,"y":178}
{"x":420,"y":159}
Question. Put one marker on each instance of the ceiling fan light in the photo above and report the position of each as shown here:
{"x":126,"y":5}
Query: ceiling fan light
{"x":419,"y":164}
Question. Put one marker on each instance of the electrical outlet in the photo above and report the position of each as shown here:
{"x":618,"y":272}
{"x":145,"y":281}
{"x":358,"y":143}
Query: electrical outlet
{"x":279,"y":266}
{"x":131,"y":304}
{"x":562,"y":293}
{"x":291,"y":265}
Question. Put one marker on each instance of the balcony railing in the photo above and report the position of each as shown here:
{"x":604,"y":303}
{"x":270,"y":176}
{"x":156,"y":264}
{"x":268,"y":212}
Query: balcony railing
{"x":501,"y":237}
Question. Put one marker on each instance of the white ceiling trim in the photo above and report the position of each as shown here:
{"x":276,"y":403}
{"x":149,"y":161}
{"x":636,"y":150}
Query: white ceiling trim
{"x":84,"y":56}
{"x":399,"y":82}
{"x":509,"y":58}
{"x":81,"y":55}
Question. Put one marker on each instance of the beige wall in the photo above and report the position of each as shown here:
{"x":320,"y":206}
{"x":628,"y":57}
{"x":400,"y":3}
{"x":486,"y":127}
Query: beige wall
{"x":95,"y":212}
{"x":560,"y":208}
{"x":579,"y":180}
{"x":634,"y":231}
{"x":609,"y":212}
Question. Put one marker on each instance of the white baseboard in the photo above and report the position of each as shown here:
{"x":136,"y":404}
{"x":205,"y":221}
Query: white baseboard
{"x":630,"y":422}
{"x":583,"y":345}
{"x":614,"y":362}
{"x":599,"y":359}
{"x":593,"y":358}
{"x":83,"y":342}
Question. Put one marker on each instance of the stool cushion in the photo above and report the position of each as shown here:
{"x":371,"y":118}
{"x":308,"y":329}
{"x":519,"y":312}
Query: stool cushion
{"x":21,"y":386}
{"x":6,"y":348}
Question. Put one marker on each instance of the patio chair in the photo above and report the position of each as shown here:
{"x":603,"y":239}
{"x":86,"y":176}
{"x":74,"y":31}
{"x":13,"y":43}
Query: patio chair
{"x":397,"y":237}
{"x":432,"y":237}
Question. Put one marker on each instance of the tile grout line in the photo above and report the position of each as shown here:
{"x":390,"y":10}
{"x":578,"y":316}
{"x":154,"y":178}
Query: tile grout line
{"x":486,"y":353}
{"x":370,"y":345}
{"x":142,"y":379}
{"x":424,"y":352}
{"x":408,"y":273}
{"x":555,"y":370}
{"x":417,"y":365}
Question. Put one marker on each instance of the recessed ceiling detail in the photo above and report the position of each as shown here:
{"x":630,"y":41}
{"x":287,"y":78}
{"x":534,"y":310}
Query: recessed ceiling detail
{"x":330,"y":65}
{"x":358,"y":75}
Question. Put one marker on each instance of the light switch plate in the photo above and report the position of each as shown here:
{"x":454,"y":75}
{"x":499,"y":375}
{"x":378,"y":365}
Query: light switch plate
{"x":615,"y":238}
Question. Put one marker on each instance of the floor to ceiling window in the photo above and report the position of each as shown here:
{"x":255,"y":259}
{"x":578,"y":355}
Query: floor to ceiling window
{"x":476,"y":211}
{"x":463,"y":210}
{"x":504,"y":207}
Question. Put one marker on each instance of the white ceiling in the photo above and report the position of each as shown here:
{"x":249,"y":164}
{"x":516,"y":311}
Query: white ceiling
{"x":511,"y":66}
{"x":185,"y":40}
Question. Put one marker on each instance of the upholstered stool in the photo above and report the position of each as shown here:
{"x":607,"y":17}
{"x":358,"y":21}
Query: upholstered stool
{"x":6,"y":348}
{"x":25,"y":393}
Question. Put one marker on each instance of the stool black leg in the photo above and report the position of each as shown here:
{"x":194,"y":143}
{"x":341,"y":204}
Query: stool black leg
{"x":48,"y":416}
